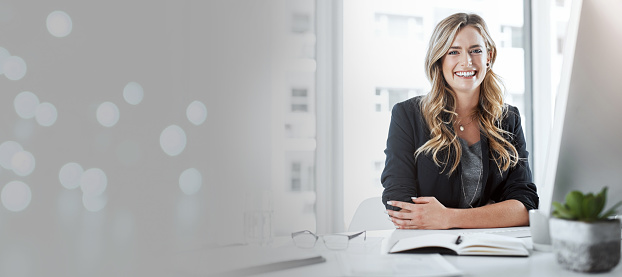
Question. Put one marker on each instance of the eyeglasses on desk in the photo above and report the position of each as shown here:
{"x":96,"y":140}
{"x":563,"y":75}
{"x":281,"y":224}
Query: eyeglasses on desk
{"x":307,"y":239}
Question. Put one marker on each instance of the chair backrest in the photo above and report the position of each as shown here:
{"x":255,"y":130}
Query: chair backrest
{"x":370,"y":215}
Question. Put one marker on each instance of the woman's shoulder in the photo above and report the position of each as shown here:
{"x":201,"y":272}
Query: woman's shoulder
{"x":408,"y":112}
{"x":410,"y":105}
{"x":511,"y":112}
{"x":512,"y":117}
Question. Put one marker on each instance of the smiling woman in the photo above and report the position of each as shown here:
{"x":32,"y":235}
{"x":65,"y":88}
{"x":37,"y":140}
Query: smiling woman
{"x":438,"y":178}
{"x":383,"y":66}
{"x":467,"y":61}
{"x":464,"y":68}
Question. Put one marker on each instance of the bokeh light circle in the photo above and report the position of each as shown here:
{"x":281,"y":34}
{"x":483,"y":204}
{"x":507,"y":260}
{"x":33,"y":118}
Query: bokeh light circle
{"x":94,"y":203}
{"x":59,"y":24}
{"x":7,"y":150}
{"x":133,"y":93}
{"x":173,"y":140}
{"x":16,"y":196}
{"x":23,"y":163}
{"x":93,"y":182}
{"x":196,"y":112}
{"x":46,"y":114}
{"x":70,"y":174}
{"x":107,"y":114}
{"x":4,"y":54}
{"x":14,"y":68}
{"x":190,"y":181}
{"x":26,"y":104}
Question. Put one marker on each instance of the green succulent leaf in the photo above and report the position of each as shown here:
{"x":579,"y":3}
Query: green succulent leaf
{"x":603,"y":193}
{"x":611,"y":211}
{"x":589,"y":208}
{"x":556,"y":214}
{"x":584,"y":207}
{"x":561,"y":211}
{"x":574,"y":200}
{"x":599,"y":202}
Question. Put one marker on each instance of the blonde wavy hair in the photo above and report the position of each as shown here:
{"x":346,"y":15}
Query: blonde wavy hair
{"x":439,"y":105}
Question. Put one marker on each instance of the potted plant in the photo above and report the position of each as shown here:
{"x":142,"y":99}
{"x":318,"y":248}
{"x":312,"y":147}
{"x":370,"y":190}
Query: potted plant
{"x":584,"y":238}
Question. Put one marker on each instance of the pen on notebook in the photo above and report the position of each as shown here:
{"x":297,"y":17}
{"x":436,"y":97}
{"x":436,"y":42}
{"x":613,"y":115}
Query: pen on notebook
{"x":459,"y":240}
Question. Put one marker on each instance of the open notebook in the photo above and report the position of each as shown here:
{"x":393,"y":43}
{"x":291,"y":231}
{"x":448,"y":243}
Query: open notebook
{"x":469,"y":244}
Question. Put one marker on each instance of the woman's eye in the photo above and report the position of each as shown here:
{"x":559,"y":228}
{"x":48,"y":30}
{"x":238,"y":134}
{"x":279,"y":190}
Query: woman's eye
{"x":477,"y":51}
{"x":452,"y":53}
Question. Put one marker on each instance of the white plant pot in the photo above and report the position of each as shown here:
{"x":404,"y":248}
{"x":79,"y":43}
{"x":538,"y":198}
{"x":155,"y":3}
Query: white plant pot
{"x":586,"y":247}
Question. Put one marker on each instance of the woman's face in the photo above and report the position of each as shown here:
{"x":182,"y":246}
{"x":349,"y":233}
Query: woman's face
{"x":464,"y":64}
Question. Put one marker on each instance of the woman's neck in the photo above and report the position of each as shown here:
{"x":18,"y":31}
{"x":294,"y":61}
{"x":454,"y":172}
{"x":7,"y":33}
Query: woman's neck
{"x":466,"y":104}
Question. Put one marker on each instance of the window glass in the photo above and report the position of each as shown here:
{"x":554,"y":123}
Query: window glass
{"x":294,"y":119}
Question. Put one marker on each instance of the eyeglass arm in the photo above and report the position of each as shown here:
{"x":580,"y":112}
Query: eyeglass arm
{"x":303,"y":232}
{"x":358,"y":234}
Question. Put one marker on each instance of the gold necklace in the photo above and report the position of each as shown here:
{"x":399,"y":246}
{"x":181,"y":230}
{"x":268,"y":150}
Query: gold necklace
{"x":481,"y":170}
{"x":461,"y":127}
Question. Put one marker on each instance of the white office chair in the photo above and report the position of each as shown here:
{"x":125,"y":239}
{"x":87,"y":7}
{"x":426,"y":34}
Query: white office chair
{"x":370,"y":216}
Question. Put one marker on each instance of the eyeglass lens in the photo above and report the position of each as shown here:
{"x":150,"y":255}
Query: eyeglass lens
{"x":305,"y":240}
{"x":336,"y":242}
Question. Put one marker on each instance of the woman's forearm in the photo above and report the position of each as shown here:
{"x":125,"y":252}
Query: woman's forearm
{"x":508,"y":213}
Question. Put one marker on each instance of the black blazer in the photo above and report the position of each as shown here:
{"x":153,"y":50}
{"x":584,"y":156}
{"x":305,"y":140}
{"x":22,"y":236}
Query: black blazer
{"x":404,"y":177}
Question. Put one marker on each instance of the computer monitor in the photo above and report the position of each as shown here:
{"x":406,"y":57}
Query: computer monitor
{"x":585,"y":150}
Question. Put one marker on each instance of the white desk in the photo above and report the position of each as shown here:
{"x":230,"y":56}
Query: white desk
{"x":537,"y":264}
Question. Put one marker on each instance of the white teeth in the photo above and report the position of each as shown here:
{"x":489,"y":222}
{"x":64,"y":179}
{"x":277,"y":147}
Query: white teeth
{"x":465,"y":73}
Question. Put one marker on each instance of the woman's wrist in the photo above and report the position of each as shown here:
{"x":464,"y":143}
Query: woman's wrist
{"x":453,"y":216}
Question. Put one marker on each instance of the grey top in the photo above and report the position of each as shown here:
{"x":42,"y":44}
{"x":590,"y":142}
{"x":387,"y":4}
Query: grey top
{"x":472,"y":168}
